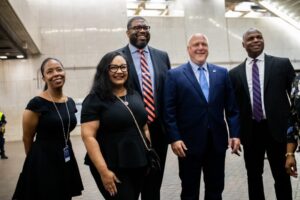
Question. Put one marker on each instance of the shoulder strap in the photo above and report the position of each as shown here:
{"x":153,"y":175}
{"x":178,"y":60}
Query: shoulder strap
{"x":135,"y":123}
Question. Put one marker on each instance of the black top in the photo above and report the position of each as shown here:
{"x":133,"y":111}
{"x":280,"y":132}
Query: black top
{"x":118,"y":136}
{"x":49,"y":126}
{"x":45,"y":173}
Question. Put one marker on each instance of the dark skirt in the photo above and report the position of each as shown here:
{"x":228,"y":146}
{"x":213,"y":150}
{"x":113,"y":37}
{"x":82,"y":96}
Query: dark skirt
{"x":46,"y":175}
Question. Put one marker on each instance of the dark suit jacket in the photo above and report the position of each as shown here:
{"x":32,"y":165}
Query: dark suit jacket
{"x":279,"y":74}
{"x":161,"y":65}
{"x":188,"y":115}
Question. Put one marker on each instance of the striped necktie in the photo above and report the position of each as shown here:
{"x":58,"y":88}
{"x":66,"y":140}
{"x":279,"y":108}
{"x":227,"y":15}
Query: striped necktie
{"x":148,"y":97}
{"x":257,"y":107}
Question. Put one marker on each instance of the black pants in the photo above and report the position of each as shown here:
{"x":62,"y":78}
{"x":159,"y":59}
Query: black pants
{"x":212,"y":164}
{"x":130,"y":186}
{"x":152,"y":185}
{"x":2,"y":142}
{"x":254,"y":155}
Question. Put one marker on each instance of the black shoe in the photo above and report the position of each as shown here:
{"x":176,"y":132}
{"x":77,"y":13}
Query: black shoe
{"x":4,"y":157}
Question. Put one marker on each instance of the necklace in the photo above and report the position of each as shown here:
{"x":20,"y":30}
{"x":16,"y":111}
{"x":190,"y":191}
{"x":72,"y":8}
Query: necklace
{"x":66,"y":134}
{"x":125,"y":100}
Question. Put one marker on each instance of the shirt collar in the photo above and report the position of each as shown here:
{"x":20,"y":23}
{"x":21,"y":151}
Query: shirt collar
{"x":195,"y":66}
{"x":133,"y":49}
{"x":261,"y":57}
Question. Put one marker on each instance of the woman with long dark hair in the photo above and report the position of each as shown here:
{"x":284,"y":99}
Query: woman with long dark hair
{"x":115,"y":150}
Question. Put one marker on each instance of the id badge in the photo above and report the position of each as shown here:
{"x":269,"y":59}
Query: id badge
{"x":67,"y":154}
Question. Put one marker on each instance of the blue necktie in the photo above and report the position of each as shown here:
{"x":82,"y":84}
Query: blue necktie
{"x":257,"y":108}
{"x":203,"y":82}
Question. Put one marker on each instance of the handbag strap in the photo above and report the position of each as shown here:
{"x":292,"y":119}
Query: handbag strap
{"x":137,"y":125}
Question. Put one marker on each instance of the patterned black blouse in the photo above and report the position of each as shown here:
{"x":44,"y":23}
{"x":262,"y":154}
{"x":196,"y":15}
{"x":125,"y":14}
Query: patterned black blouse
{"x":294,"y":119}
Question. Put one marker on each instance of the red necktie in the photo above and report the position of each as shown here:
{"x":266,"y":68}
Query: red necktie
{"x":147,"y":88}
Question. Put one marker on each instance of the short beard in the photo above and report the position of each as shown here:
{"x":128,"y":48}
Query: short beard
{"x":141,"y":45}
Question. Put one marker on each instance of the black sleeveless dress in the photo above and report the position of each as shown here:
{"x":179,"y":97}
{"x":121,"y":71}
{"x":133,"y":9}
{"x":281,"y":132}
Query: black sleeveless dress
{"x":45,"y":174}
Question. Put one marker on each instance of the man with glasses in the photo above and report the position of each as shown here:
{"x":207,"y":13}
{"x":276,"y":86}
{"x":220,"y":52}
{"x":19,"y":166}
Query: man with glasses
{"x":148,"y":68}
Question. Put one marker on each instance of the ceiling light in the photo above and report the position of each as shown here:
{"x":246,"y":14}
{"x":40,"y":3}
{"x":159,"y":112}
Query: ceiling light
{"x":155,"y":6}
{"x":150,"y":12}
{"x":280,"y":14}
{"x":3,"y":57}
{"x":131,"y":5}
{"x":20,"y":56}
{"x":231,"y":13}
{"x":244,"y":6}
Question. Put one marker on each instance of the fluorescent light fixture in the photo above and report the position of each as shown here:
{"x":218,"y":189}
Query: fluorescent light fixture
{"x":150,"y":13}
{"x":244,"y":6}
{"x":20,"y":56}
{"x":280,"y":14}
{"x":3,"y":57}
{"x":155,"y":6}
{"x":253,"y":14}
{"x":231,"y":13}
{"x":132,"y":5}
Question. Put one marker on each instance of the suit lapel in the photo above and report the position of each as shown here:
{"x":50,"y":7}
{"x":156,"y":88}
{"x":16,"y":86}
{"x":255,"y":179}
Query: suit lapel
{"x":156,"y":71}
{"x":268,"y":64}
{"x":243,"y":77}
{"x":133,"y":73}
{"x":189,"y":74}
{"x":212,"y":73}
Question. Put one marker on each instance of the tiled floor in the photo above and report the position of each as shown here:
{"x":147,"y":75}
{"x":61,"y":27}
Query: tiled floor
{"x":235,"y":182}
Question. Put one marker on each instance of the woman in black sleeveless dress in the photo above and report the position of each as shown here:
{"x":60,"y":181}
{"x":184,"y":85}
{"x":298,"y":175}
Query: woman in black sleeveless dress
{"x":50,"y":169}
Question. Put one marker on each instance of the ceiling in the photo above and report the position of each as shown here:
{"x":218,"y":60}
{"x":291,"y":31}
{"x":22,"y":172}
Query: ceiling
{"x":288,"y":10}
{"x":15,"y":41}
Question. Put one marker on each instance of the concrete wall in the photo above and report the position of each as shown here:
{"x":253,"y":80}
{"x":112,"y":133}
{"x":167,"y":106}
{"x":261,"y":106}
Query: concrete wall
{"x":80,"y":32}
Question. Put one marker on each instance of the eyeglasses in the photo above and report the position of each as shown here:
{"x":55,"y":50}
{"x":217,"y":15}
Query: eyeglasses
{"x":114,"y":68}
{"x":139,"y":28}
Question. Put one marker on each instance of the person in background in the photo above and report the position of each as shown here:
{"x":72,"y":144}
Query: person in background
{"x":50,"y":169}
{"x":293,"y":129}
{"x":197,"y":96}
{"x":148,"y":67}
{"x":2,"y":139}
{"x":116,"y":154}
{"x":262,"y":85}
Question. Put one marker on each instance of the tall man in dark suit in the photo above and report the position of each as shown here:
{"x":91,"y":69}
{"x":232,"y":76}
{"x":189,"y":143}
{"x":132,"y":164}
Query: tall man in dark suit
{"x":262,"y":84}
{"x":196,"y":95}
{"x":149,"y":67}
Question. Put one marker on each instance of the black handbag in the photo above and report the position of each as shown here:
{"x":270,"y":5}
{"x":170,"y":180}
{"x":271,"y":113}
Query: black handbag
{"x":152,"y":157}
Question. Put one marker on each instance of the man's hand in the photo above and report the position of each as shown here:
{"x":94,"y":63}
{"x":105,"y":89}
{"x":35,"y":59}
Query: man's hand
{"x":179,"y":148}
{"x":291,"y":166}
{"x":234,"y":144}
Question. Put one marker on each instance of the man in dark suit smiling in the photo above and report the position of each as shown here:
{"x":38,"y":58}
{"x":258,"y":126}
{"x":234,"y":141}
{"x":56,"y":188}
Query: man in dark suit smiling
{"x":148,"y":67}
{"x":262,"y":84}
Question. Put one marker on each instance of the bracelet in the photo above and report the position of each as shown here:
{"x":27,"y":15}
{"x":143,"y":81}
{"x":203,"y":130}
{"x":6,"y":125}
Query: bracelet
{"x":289,"y":154}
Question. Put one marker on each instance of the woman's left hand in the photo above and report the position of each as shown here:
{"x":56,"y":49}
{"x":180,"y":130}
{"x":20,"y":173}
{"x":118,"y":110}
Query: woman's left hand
{"x":109,"y":180}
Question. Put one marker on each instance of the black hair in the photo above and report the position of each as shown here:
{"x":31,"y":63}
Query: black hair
{"x":43,"y":68}
{"x":102,"y":85}
{"x":133,"y":19}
